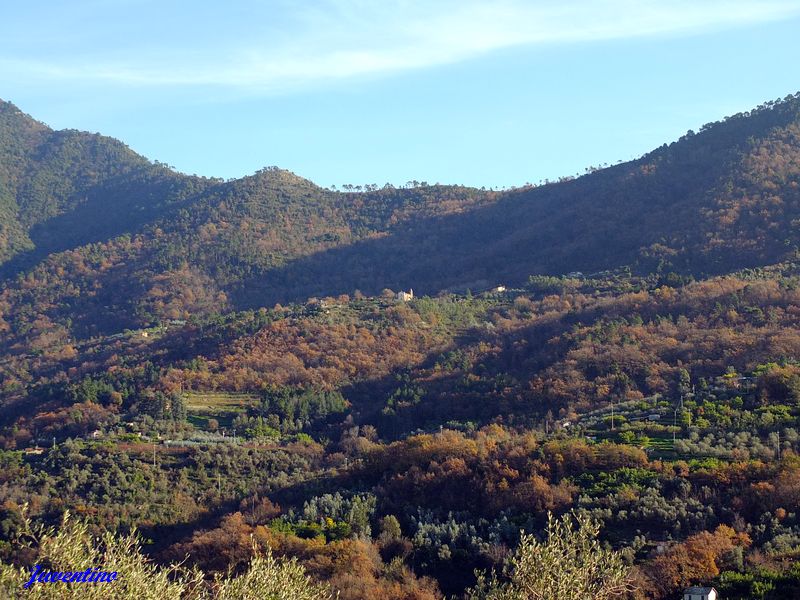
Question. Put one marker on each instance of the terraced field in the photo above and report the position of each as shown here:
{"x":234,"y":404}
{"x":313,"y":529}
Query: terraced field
{"x":201,"y":407}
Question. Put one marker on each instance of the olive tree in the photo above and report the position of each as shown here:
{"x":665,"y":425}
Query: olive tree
{"x":569,"y":563}
{"x":72,"y":546}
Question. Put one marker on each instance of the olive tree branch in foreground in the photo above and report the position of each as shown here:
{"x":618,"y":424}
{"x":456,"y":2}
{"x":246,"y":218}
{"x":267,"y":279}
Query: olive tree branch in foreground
{"x":569,"y":563}
{"x":72,"y":547}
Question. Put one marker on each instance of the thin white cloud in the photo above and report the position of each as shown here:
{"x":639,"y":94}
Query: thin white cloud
{"x":342,"y":39}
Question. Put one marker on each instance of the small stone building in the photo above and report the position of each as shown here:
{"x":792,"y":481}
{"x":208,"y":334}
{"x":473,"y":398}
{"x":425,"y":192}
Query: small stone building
{"x":405,"y":296}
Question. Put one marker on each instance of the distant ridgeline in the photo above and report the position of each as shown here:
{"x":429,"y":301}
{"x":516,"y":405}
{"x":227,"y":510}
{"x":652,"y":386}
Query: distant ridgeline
{"x":87,"y":224}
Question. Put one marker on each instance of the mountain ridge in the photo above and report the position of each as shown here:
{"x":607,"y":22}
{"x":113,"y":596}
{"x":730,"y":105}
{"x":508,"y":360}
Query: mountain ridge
{"x":722,"y":199}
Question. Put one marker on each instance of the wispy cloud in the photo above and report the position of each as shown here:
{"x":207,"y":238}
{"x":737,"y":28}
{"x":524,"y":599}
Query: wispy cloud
{"x":302,"y":44}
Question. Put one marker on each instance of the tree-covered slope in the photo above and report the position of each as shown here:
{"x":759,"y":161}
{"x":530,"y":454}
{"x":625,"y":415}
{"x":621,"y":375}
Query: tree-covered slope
{"x":19,"y":135}
{"x":417,"y":439}
{"x":215,"y":250}
{"x":714,"y":201}
{"x":111,"y":240}
{"x":64,"y":189}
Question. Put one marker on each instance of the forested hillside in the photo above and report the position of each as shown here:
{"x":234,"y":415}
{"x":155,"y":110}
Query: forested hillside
{"x":219,"y":364}
{"x":95,"y":217}
{"x":64,"y":189}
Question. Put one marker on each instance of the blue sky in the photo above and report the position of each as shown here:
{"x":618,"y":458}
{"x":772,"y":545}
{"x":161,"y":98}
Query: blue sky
{"x":486,"y":93}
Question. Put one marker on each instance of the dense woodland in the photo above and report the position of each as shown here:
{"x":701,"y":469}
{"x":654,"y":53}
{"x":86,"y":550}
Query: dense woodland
{"x":610,"y":362}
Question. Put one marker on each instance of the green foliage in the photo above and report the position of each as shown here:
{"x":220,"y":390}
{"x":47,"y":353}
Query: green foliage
{"x":605,"y":483}
{"x":761,"y":584}
{"x":390,"y":527}
{"x":544,"y":284}
{"x":292,"y":409}
{"x":72,"y":546}
{"x":355,"y":511}
{"x":269,"y":578}
{"x":569,"y":563}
